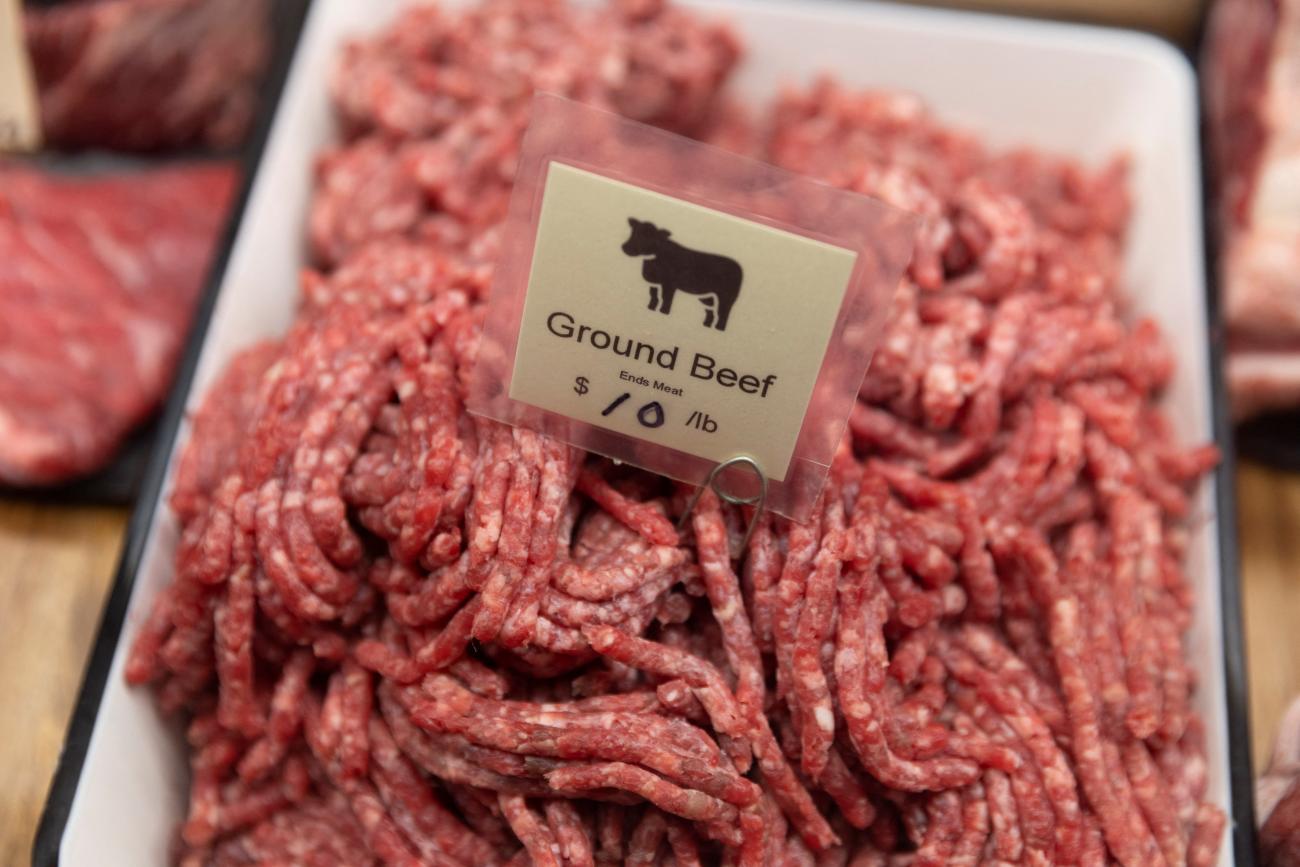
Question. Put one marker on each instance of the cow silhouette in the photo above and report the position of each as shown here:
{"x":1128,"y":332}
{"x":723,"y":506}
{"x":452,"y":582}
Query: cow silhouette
{"x":672,"y":268}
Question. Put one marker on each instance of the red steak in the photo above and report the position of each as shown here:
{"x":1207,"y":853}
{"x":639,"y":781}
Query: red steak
{"x":98,"y":280}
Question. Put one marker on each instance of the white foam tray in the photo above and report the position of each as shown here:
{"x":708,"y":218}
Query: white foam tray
{"x":1076,"y":90}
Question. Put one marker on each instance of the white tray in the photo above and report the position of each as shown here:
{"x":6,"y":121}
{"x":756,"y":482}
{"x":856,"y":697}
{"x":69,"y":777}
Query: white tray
{"x":1083,"y":91}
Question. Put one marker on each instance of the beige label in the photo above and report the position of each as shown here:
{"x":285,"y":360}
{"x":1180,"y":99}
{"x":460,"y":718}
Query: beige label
{"x":674,"y":323}
{"x":20,"y":120}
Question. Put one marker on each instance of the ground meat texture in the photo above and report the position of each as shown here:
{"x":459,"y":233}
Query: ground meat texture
{"x":98,"y":279}
{"x":144,"y":75}
{"x":465,"y":644}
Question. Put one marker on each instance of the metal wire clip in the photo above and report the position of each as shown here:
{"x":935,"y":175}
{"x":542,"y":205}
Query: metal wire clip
{"x":758,"y":501}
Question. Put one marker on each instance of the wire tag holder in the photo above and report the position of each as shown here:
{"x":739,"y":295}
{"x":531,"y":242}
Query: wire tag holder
{"x":758,"y":501}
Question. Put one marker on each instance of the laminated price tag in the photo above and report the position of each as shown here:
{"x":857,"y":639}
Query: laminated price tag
{"x":20,"y":121}
{"x":675,"y":306}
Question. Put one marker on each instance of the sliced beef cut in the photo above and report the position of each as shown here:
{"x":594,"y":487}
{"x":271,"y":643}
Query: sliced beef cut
{"x":1252,"y":92}
{"x":98,"y":280}
{"x":148,"y":75}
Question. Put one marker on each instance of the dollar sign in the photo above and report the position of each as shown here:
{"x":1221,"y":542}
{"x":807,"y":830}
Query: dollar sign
{"x":581,"y":385}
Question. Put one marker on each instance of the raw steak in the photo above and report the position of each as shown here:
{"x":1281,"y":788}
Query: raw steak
{"x":98,"y":279}
{"x":145,"y":75}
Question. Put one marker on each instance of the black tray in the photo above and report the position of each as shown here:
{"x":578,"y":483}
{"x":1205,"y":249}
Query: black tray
{"x":119,"y":482}
{"x":1272,"y":439}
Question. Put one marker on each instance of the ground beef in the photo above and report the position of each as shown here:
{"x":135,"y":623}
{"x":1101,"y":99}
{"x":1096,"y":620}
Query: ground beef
{"x":435,"y":109}
{"x":407,"y":635}
{"x":98,"y":280}
{"x":148,"y":75}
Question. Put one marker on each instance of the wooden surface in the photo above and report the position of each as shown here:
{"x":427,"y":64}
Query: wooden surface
{"x":56,"y":564}
{"x":1268,"y":510}
{"x":55,"y":567}
{"x":1175,"y":19}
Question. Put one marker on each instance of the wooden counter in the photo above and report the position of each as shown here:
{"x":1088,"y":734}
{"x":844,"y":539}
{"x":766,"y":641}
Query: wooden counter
{"x":55,"y":567}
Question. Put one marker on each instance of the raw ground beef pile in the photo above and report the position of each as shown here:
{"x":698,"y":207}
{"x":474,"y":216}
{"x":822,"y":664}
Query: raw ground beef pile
{"x":98,"y":280}
{"x":406,"y":635}
{"x":146,"y":75}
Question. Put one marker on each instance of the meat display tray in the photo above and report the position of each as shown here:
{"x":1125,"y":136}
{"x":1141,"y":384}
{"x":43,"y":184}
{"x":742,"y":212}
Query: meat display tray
{"x":121,"y":784}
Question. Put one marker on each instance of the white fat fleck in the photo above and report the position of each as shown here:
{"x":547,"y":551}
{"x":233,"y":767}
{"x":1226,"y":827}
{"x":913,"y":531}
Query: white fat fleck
{"x":406,"y":389}
{"x":293,"y":500}
{"x":727,"y":611}
{"x":1057,"y":776}
{"x":613,"y":68}
{"x":941,"y":378}
{"x":825,"y":718}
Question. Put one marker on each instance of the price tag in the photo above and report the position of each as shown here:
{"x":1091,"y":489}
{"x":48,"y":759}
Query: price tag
{"x":673,"y":323}
{"x":20,"y":119}
{"x":677,"y":307}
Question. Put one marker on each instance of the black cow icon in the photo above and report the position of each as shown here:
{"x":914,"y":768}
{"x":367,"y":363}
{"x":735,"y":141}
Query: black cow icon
{"x":673,"y":268}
